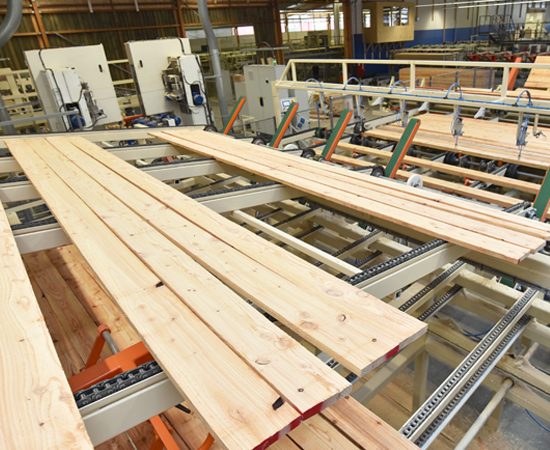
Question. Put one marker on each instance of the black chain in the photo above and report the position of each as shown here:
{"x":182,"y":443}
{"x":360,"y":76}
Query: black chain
{"x":121,"y":381}
{"x":394,"y":262}
{"x":236,"y":189}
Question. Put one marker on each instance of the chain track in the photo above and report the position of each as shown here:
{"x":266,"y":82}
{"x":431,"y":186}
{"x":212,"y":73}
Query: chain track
{"x":394,"y":262}
{"x":352,"y":245}
{"x":470,"y":384}
{"x":121,"y":381}
{"x":481,"y":349}
{"x":440,"y":279}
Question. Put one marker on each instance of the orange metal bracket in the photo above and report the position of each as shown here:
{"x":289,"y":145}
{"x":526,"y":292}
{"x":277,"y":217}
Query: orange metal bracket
{"x":513,"y":75}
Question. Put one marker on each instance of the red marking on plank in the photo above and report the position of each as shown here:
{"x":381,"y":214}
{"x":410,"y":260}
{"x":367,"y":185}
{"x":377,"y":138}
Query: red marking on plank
{"x":394,"y":351}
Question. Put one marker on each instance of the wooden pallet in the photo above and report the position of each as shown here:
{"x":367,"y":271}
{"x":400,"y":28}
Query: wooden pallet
{"x":154,"y":251}
{"x":482,"y":139}
{"x":477,"y":228}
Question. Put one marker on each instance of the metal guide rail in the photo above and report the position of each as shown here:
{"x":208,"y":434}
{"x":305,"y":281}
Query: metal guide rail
{"x":440,"y":303}
{"x":431,"y":286}
{"x":394,"y":262}
{"x":428,"y":421}
{"x":352,"y":245}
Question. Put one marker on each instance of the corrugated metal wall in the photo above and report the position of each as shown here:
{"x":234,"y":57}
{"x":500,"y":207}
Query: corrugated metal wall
{"x":70,"y":22}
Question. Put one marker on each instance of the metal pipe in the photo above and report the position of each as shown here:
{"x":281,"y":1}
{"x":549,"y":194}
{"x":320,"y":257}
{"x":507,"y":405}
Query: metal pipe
{"x":485,"y":414}
{"x":336,"y":14}
{"x":9,"y":26}
{"x":214,"y":55}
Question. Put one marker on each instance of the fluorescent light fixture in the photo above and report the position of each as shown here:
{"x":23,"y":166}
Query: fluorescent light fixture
{"x":499,"y":4}
{"x":461,"y":3}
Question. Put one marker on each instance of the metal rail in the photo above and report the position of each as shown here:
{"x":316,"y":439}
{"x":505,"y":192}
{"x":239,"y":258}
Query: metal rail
{"x":428,"y":421}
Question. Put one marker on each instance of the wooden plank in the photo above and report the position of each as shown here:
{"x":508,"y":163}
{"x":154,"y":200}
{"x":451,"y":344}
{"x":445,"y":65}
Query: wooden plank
{"x":76,"y":273}
{"x":318,"y":434}
{"x":407,"y":200}
{"x":386,"y":338}
{"x":228,"y":396}
{"x":283,"y":363}
{"x":71,"y":361}
{"x":468,"y":209}
{"x":366,"y":430}
{"x":37,"y":410}
{"x":384,"y":186}
{"x":483,"y":213}
{"x":385,"y":211}
{"x":442,"y":185}
{"x":465,"y":146}
{"x":511,"y":183}
{"x":539,"y":78}
{"x":297,"y":244}
{"x":73,"y":318}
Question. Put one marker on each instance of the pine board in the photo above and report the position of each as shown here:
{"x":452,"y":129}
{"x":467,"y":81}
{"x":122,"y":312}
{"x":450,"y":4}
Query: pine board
{"x":37,"y":410}
{"x":512,"y":230}
{"x":539,"y":78}
{"x":511,"y":183}
{"x":385,"y":338}
{"x":481,"y":139}
{"x":233,"y":400}
{"x":339,"y":191}
{"x":267,"y":350}
{"x":444,"y":186}
{"x":364,"y":428}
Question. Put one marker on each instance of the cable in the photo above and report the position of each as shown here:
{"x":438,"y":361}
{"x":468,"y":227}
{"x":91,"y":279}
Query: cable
{"x":207,"y":105}
{"x":353,"y":78}
{"x":474,"y":335}
{"x":521,"y":140}
{"x":56,"y":85}
{"x":270,"y":47}
{"x":316,"y":80}
{"x":535,"y":419}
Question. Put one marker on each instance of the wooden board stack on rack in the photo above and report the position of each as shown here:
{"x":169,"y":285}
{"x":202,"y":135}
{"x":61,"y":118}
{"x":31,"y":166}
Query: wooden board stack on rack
{"x":539,"y":78}
{"x":439,"y":77}
{"x":471,"y":226}
{"x":171,"y":264}
{"x":481,"y":138}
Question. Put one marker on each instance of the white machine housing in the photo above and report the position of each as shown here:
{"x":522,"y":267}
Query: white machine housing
{"x":258,"y":79}
{"x":167,"y":77}
{"x":74,"y":78}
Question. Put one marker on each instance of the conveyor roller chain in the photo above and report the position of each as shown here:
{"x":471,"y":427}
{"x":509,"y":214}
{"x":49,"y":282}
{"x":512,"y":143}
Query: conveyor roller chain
{"x":119,"y":382}
{"x":394,"y":262}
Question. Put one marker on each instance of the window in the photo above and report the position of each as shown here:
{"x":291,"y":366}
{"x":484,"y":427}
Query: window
{"x":404,"y":16}
{"x":245,"y":31}
{"x":366,"y":18}
{"x":394,"y":16}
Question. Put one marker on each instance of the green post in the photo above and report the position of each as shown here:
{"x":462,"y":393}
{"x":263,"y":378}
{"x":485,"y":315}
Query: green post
{"x":402,"y":147}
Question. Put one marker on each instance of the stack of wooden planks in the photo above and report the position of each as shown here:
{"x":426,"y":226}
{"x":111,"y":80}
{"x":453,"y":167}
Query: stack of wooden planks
{"x":443,"y":77}
{"x":511,"y":183}
{"x":37,"y":408}
{"x":448,"y":187}
{"x":175,"y":269}
{"x":74,"y":304}
{"x":474,"y":227}
{"x":481,"y":138}
{"x":539,"y":78}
